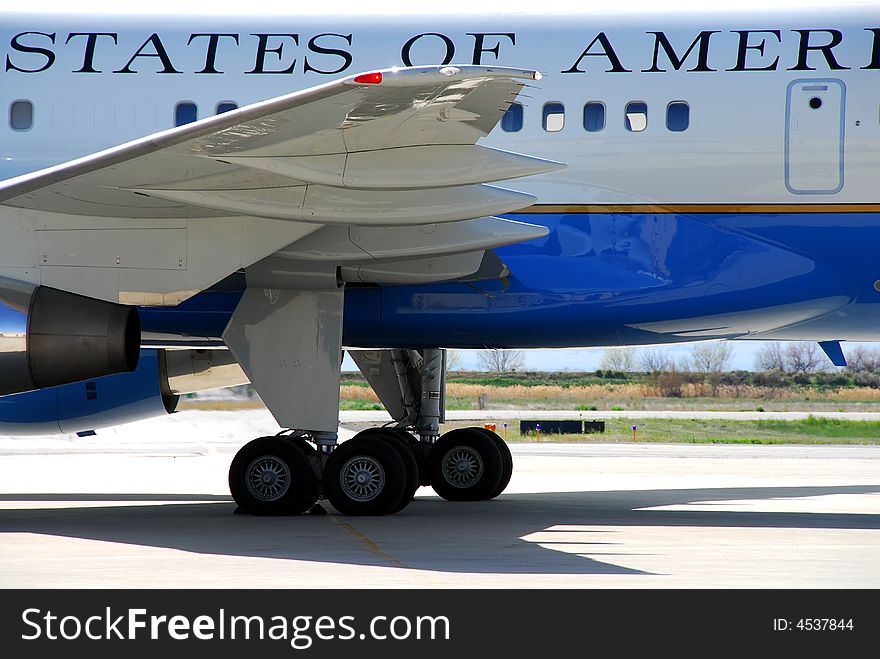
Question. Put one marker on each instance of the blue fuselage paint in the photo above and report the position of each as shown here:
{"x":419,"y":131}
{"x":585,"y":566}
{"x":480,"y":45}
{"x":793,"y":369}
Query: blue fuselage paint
{"x":607,"y":279}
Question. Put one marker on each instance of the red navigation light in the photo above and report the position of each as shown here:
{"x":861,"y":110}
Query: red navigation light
{"x":369,"y":78}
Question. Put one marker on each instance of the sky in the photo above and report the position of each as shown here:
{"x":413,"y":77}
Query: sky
{"x":587,"y":359}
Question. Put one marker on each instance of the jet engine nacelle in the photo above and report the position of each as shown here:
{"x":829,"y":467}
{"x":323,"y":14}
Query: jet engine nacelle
{"x":50,"y":337}
{"x":151,"y":390}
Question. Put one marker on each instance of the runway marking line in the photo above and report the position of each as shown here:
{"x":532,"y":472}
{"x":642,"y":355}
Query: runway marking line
{"x":371,"y":546}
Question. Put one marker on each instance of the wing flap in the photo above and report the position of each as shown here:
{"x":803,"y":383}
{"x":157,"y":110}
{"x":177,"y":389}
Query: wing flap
{"x":402,"y":167}
{"x":326,"y":205}
{"x":343,"y":244}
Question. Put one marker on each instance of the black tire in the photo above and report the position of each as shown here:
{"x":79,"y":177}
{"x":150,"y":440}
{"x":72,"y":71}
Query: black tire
{"x":271,"y":476}
{"x":469,"y":448}
{"x":380,"y":462}
{"x":506,"y":461}
{"x":395,"y":438}
{"x":419,"y":450}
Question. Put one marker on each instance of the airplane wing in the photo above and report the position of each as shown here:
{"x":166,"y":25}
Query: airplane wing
{"x":174,"y":212}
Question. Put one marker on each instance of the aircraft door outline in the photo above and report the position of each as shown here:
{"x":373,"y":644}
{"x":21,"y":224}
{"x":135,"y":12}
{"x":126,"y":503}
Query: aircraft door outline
{"x":815,"y":111}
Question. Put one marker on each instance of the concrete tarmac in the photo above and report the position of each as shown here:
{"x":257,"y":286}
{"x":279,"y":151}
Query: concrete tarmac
{"x":147,"y":505}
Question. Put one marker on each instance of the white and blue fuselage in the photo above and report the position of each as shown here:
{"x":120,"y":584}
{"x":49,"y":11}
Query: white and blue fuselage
{"x":722,"y":163}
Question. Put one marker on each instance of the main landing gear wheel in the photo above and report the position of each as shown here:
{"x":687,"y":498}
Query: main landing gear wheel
{"x":419,"y":450}
{"x":365,"y":476}
{"x":400,"y":441}
{"x":506,"y":461}
{"x":465,"y":465}
{"x":271,"y":476}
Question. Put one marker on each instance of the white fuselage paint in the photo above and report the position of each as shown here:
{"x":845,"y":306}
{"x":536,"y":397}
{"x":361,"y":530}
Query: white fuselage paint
{"x":751,"y":137}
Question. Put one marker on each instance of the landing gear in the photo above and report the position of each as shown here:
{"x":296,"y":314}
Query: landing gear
{"x":466,"y":465}
{"x":367,"y":476}
{"x":273,"y":476}
{"x":400,"y":439}
{"x":286,"y":333}
{"x":419,"y":450}
{"x":377,"y":472}
{"x":506,"y":461}
{"x":397,"y":440}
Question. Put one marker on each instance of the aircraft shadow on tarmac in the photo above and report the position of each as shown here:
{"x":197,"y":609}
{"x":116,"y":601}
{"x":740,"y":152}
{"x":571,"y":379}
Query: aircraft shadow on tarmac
{"x":430,"y":534}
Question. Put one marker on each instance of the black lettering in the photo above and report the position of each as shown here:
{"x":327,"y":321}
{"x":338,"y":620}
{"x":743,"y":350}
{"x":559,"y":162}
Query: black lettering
{"x":826,"y":50}
{"x":322,"y":50}
{"x":22,"y":48}
{"x":607,"y":52}
{"x":263,"y":49}
{"x":89,"y":55}
{"x":677,"y":62}
{"x":407,"y":47}
{"x":875,"y":51}
{"x":161,"y":53}
{"x":479,"y":49}
{"x":744,"y":48}
{"x":211,"y":54}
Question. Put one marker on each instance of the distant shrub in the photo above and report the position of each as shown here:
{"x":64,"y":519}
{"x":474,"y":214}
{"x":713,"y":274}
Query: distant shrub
{"x":867,"y":379}
{"x":736,"y":378}
{"x":671,"y":384}
{"x":832,"y":379}
{"x":771,"y":379}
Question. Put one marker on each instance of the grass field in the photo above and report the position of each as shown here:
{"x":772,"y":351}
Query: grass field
{"x":583,"y":392}
{"x":812,"y":430}
{"x":566,"y":390}
{"x":544,"y":395}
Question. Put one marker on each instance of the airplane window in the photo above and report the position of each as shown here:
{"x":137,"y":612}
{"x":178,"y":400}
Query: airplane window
{"x":594,"y":116}
{"x":636,"y":119}
{"x":226,"y":106}
{"x":554,"y":117}
{"x":512,"y":120}
{"x":678,"y":116}
{"x":186,"y":112}
{"x":21,"y":115}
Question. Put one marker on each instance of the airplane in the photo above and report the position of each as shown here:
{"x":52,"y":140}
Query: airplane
{"x":193,"y":199}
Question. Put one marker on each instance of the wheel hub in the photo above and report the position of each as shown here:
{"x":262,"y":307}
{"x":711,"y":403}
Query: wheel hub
{"x":362,"y":478}
{"x":462,"y":466}
{"x":268,"y":478}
